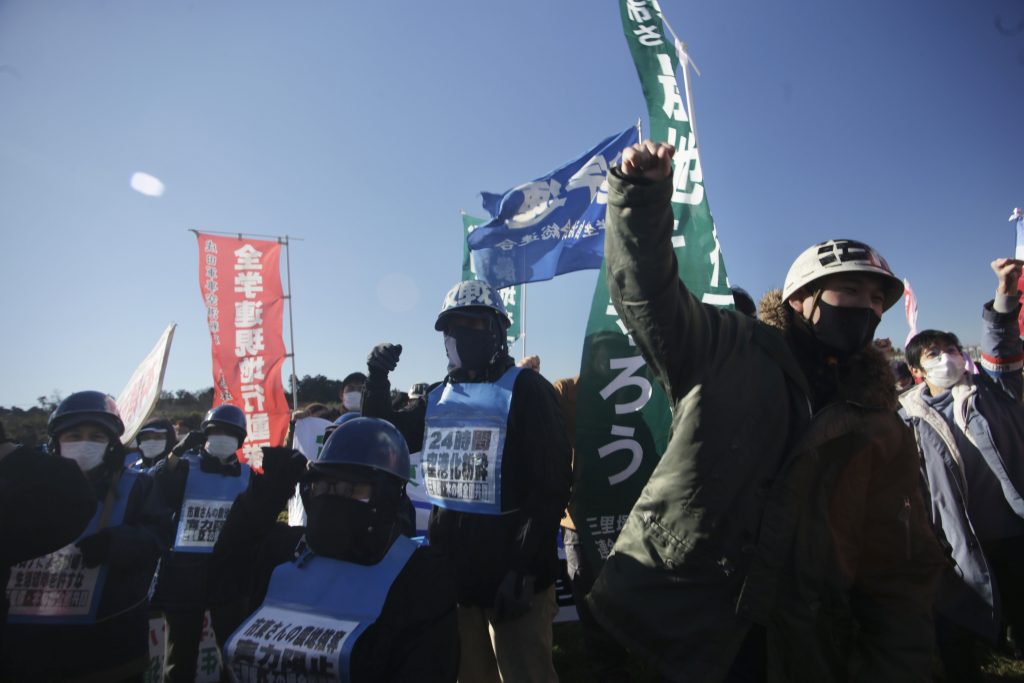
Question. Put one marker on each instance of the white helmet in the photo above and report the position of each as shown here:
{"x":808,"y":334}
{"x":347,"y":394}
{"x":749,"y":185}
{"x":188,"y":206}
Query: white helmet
{"x":841,"y":256}
{"x":470,"y":295}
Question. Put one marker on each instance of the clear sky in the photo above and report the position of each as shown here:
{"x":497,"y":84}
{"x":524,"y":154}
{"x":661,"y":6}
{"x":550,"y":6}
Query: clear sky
{"x":364,"y":127}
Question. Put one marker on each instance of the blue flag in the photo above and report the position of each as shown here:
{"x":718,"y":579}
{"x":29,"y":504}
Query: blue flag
{"x":552,"y":225}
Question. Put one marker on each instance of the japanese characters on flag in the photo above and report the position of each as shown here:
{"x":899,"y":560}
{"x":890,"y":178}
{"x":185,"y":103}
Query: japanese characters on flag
{"x":138,"y":398}
{"x":240,"y":280}
{"x":910,"y":306}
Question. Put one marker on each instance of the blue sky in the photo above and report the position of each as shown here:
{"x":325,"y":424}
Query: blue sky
{"x":364,"y":128}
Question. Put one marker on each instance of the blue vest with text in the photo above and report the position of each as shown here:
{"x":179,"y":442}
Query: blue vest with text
{"x":58,"y":588}
{"x":315,"y":610}
{"x":205,"y":506}
{"x":463,"y":444}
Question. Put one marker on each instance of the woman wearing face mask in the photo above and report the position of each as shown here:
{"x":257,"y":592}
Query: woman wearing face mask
{"x":81,"y":613}
{"x":348,"y":597}
{"x":199,"y":480}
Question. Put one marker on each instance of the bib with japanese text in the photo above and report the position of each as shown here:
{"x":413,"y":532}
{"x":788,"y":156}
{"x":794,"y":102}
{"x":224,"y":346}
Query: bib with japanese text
{"x":205,"y":507}
{"x":463,"y":444}
{"x":315,"y":610}
{"x":58,"y":588}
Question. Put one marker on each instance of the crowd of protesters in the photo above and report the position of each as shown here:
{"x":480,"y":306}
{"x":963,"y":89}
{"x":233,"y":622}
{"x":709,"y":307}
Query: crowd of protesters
{"x":812,"y":518}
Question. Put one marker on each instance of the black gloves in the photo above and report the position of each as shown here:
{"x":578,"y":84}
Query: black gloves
{"x":191,"y":442}
{"x":283,"y":465}
{"x":95,"y":549}
{"x":383,"y":358}
{"x":513,"y":597}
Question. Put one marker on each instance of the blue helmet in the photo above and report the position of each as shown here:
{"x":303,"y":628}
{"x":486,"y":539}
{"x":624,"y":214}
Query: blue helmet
{"x":228,"y":416}
{"x":346,"y":417}
{"x":86,"y":406}
{"x":365,"y":442}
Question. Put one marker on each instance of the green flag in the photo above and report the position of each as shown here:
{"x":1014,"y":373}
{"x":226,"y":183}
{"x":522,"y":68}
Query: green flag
{"x":510,"y":296}
{"x":622,"y":414}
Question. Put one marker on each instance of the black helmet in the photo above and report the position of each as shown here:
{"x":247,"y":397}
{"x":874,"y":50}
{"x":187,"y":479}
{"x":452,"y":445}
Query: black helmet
{"x":86,"y":406}
{"x":364,"y":442}
{"x":226,"y":415}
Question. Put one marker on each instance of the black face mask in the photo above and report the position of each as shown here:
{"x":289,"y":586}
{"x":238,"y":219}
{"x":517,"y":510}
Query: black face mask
{"x":345,"y":529}
{"x":468,"y":348}
{"x":844,"y":330}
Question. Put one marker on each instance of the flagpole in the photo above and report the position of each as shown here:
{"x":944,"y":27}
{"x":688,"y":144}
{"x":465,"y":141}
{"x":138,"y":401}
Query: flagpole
{"x":522,"y":322}
{"x":685,"y":59}
{"x":639,"y":129}
{"x":291,"y":317}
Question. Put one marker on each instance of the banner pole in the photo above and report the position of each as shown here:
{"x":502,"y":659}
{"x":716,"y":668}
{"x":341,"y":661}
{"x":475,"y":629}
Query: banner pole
{"x":639,"y":129}
{"x":291,"y":318}
{"x":522,"y":322}
{"x":681,"y":49}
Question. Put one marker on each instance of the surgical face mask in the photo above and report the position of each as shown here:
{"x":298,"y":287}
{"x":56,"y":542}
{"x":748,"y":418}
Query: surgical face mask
{"x":352,"y":400}
{"x":944,"y":370}
{"x":221,"y":446}
{"x":843,"y":329}
{"x":88,"y":454}
{"x":151,"y":448}
{"x":468,"y":348}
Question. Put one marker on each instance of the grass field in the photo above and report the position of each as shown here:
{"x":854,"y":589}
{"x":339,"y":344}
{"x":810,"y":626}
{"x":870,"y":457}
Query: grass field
{"x":570,"y":662}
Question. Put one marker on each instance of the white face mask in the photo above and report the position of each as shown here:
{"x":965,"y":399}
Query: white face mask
{"x":151,"y":448}
{"x":221,"y":446}
{"x":352,"y":400}
{"x":88,"y":454}
{"x":945,"y":370}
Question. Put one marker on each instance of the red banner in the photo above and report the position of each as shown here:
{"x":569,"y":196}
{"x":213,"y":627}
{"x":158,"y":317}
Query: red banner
{"x":240,"y":280}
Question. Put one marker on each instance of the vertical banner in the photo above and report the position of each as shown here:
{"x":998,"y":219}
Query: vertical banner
{"x":510,"y":296}
{"x":240,"y":280}
{"x":623,"y":417}
{"x":138,"y":398}
{"x":1017,"y":218}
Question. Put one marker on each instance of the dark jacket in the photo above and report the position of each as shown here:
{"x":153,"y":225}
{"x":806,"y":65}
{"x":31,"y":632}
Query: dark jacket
{"x":182,"y":583}
{"x":536,"y":473}
{"x":45,"y":504}
{"x":118,"y":642}
{"x":415,"y":639}
{"x":787,"y":495}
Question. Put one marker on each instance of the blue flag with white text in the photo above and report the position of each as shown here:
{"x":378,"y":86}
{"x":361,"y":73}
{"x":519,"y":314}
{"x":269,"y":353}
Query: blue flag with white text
{"x":551,"y":225}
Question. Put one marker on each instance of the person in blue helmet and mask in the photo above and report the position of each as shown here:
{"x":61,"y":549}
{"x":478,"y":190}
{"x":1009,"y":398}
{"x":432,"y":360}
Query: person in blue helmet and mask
{"x":156,"y":439}
{"x":199,"y":480}
{"x":80,"y":613}
{"x":496,"y":465}
{"x":348,"y":597}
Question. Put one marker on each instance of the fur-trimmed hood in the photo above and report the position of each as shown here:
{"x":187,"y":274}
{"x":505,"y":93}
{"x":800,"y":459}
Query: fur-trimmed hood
{"x":865,"y":379}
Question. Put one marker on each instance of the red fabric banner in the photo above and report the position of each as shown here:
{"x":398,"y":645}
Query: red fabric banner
{"x":240,"y":280}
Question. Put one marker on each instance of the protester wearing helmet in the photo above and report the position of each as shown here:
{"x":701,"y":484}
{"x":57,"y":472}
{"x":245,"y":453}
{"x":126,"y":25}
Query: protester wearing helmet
{"x":155,"y":439}
{"x":200,"y":480}
{"x":383,"y":607}
{"x":970,"y":430}
{"x":783,"y":532}
{"x":496,"y":466}
{"x":81,"y":612}
{"x":45,"y":504}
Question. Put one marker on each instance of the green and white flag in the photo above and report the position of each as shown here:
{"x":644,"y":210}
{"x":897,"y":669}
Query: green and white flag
{"x":623,"y":417}
{"x":510,"y":296}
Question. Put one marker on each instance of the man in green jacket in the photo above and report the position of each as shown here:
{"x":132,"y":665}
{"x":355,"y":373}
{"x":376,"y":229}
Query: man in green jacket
{"x":782,"y":536}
